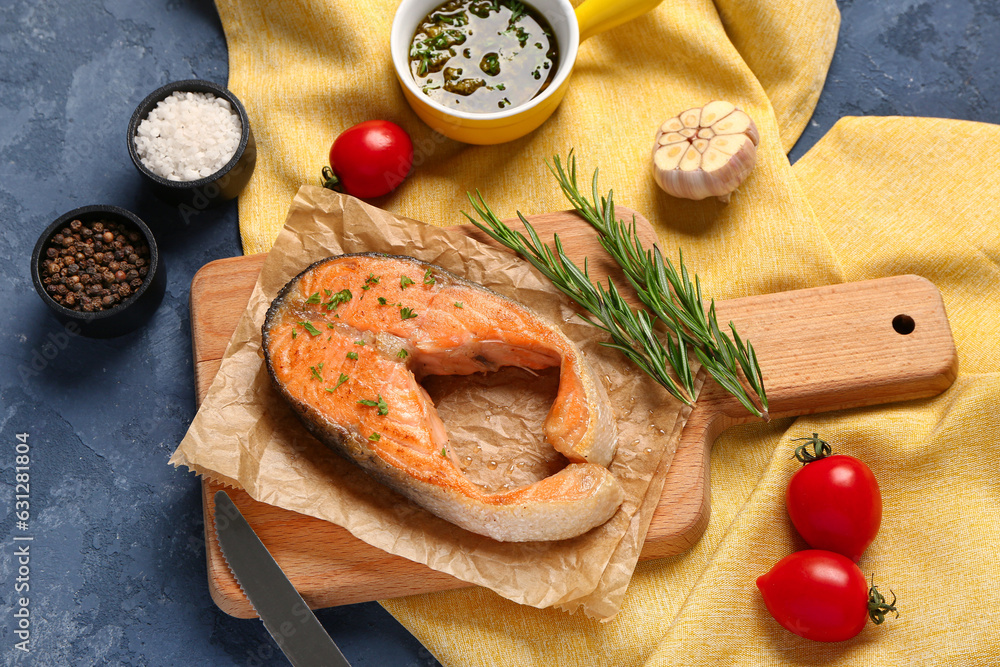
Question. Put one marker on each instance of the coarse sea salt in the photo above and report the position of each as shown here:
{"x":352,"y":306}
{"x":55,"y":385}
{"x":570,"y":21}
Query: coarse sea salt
{"x":188,"y":136}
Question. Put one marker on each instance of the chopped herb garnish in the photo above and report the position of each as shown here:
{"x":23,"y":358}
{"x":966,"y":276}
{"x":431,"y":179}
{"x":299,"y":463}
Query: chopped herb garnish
{"x":428,"y":278}
{"x":452,"y":19}
{"x":313,"y":298}
{"x":490,"y":64}
{"x":294,"y":334}
{"x":343,"y":296}
{"x":340,"y":381}
{"x":330,"y":325}
{"x":522,"y":36}
{"x":327,"y":292}
{"x":313,"y":331}
{"x":352,"y":355}
{"x":402,"y":354}
{"x":383,"y":407}
{"x":516,"y":11}
{"x":405,"y":282}
{"x":382,"y":301}
{"x":406,"y":313}
{"x":372,"y":279}
{"x":444,"y":452}
{"x":375,"y":436}
{"x":359,"y":342}
{"x":458,"y":304}
{"x":316,"y":371}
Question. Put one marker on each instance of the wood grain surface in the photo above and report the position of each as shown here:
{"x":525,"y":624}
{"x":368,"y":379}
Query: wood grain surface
{"x":820,"y":349}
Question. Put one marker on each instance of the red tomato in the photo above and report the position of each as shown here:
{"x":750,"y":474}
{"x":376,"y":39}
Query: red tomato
{"x":821,"y":595}
{"x":369,"y":159}
{"x":834,"y":501}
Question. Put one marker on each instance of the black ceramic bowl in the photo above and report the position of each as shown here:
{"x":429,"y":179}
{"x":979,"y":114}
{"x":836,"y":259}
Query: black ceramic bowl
{"x":124,"y":316}
{"x":220,"y":187}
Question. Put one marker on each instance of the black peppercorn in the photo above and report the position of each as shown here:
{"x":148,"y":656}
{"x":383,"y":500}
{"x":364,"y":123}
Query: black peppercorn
{"x":92,"y":266}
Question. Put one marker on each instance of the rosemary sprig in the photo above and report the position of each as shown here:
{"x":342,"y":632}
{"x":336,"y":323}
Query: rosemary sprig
{"x":669,"y":292}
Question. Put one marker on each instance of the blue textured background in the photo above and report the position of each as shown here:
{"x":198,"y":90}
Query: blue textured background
{"x":118,"y":562}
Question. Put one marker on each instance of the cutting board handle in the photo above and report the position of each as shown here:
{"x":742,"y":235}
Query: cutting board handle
{"x":820,"y":349}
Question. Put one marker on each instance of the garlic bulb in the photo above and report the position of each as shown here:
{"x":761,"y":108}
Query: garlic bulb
{"x":705,"y":152}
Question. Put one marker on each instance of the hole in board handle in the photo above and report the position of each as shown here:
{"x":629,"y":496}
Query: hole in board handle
{"x":903,"y":324}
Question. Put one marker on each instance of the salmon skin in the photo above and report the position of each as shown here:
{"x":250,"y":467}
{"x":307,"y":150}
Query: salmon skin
{"x":346,"y":343}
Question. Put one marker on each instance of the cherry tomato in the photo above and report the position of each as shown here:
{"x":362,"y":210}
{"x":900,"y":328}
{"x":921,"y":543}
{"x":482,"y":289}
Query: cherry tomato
{"x":822,"y":595}
{"x":834,"y":501}
{"x":369,"y":159}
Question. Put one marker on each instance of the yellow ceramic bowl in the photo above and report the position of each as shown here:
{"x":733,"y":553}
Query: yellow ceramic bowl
{"x":571,"y":27}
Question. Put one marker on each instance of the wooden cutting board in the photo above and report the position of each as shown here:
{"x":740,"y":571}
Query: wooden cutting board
{"x":821,"y":349}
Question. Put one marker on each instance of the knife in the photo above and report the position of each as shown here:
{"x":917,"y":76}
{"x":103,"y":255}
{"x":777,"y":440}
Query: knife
{"x":285,"y":614}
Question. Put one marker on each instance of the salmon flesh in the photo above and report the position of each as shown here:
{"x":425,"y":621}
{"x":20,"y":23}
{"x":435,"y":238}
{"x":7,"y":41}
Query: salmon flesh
{"x":347,"y":342}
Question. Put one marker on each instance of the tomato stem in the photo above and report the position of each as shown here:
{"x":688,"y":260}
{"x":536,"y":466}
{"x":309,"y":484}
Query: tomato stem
{"x":877,"y":606}
{"x":329,"y":179}
{"x":821,"y":449}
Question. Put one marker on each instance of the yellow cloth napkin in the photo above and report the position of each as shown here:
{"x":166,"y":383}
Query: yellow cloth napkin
{"x":876,"y":197}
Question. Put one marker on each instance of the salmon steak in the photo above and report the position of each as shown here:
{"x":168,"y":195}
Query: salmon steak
{"x":347,"y":342}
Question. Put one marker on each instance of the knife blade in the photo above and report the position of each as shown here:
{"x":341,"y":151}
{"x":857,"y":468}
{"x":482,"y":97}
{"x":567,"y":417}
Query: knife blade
{"x":285,"y":614}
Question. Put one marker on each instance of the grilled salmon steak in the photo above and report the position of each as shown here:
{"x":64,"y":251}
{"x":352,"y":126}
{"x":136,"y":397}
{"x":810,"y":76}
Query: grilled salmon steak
{"x":346,"y":343}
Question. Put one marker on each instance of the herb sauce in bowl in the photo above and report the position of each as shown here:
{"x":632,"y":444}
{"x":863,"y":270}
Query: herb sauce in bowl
{"x":481,"y":56}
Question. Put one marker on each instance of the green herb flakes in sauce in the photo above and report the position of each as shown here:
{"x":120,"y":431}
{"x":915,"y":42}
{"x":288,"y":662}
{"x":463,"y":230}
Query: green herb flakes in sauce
{"x":484,"y":55}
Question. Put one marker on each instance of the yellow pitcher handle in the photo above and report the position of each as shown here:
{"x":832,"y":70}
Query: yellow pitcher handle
{"x":595,"y":16}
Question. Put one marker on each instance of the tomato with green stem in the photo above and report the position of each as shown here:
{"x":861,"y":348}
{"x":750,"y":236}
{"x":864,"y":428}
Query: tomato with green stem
{"x":822,"y":596}
{"x":834,"y":501}
{"x":369,"y":159}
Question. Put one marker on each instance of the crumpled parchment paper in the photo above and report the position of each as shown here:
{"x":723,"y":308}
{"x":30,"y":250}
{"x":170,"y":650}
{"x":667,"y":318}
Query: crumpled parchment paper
{"x":245,"y":435}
